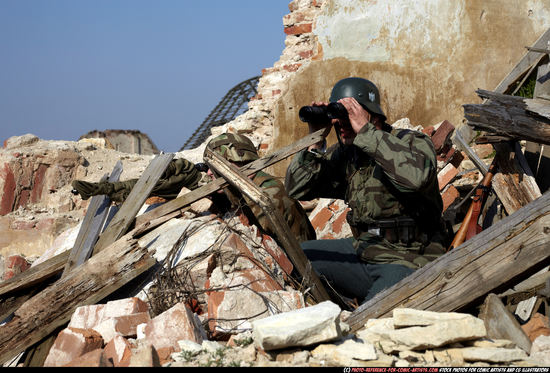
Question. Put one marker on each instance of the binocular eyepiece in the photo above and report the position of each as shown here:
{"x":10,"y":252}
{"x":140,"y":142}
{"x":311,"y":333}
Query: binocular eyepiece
{"x":319,"y":114}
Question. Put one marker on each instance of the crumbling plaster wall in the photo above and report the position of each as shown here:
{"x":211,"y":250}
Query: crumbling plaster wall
{"x":426,"y":56}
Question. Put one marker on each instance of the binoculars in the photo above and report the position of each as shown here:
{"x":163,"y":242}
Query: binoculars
{"x":320,"y":114}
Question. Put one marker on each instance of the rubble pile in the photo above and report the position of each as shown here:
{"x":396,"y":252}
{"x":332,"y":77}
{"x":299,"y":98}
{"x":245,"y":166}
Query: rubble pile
{"x":121,"y":333}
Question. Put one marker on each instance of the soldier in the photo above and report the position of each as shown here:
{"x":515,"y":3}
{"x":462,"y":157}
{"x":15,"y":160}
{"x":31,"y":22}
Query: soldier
{"x":179,"y":173}
{"x":388,"y":178}
{"x":240,"y":150}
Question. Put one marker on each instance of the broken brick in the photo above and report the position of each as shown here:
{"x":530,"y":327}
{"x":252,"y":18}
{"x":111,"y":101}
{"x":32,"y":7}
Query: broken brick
{"x":446,"y":175}
{"x":118,"y":350}
{"x":442,"y":135}
{"x":175,"y":324}
{"x":92,"y":359}
{"x":70,"y":344}
{"x":448,"y":196}
{"x":321,"y":218}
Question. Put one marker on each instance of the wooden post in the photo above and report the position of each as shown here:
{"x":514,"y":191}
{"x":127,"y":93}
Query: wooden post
{"x":139,"y":194}
{"x":92,"y":224}
{"x":291,"y":245}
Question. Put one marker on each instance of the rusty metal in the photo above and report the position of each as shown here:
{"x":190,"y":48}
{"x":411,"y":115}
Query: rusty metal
{"x":231,"y":105}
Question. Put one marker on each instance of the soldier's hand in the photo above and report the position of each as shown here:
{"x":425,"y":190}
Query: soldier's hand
{"x":358,"y":116}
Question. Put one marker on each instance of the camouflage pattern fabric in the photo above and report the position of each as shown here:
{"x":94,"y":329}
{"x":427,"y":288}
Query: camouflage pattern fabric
{"x":291,"y":209}
{"x":383,"y":175}
{"x":234,"y":147}
{"x":179,"y":173}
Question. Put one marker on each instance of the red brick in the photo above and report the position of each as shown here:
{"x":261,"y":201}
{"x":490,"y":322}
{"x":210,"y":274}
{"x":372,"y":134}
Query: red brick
{"x":164,"y":354}
{"x":449,"y":196}
{"x":15,"y":264}
{"x":320,"y":220}
{"x":536,"y":326}
{"x":24,"y":197}
{"x":92,"y":359}
{"x":72,"y":343}
{"x":339,"y":222}
{"x":446,"y":175}
{"x":118,"y":350}
{"x":173,"y":325}
{"x":306,"y":54}
{"x":8,"y":192}
{"x":279,"y":255}
{"x":292,"y":68}
{"x":446,"y":153}
{"x":124,"y":307}
{"x":125,"y":326}
{"x":299,"y":29}
{"x":457,"y":159}
{"x":38,"y":183}
{"x":428,"y":130}
{"x":442,"y":135}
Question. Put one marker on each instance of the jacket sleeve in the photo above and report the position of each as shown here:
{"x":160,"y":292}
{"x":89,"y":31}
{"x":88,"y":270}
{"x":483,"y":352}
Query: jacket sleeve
{"x":409,"y":162}
{"x":313,"y":175}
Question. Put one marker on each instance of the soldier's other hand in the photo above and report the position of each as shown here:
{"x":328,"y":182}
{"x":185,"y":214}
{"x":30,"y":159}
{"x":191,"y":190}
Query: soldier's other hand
{"x":358,"y":116}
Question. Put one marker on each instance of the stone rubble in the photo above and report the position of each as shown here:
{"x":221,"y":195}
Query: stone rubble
{"x":314,"y":336}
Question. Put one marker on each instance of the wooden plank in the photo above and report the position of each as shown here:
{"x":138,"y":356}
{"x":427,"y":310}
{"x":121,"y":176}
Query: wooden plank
{"x":35,"y":275}
{"x":513,"y":248}
{"x":514,"y":183}
{"x":217,"y":184}
{"x":139,"y":194}
{"x":92,"y":224}
{"x":501,"y":324}
{"x":530,"y":58}
{"x":510,"y":116}
{"x":538,"y":50}
{"x":98,"y":277}
{"x":291,"y":245}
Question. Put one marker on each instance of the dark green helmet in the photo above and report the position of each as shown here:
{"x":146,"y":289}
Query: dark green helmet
{"x":363,"y":90}
{"x":234,"y":147}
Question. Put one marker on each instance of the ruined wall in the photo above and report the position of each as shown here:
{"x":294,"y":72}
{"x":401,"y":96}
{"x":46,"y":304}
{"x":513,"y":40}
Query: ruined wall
{"x":127,"y":141}
{"x":426,"y":56}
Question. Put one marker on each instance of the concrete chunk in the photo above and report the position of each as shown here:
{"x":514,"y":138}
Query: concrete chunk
{"x":302,"y":327}
{"x":403,"y":317}
{"x":438,"y":334}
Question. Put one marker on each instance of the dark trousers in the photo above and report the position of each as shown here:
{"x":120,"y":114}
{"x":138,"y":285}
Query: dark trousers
{"x":337,"y":263}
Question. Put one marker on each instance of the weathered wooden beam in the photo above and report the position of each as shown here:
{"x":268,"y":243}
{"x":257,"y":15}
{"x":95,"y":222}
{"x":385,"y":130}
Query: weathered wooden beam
{"x":501,"y":324}
{"x":98,"y":277}
{"x":35,"y":275}
{"x":513,"y":248}
{"x":515,"y":117}
{"x":92,"y":224}
{"x":217,"y":184}
{"x":137,"y":197}
{"x":279,"y":225}
{"x":514,"y":183}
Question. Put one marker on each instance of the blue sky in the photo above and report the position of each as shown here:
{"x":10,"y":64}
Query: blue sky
{"x":68,"y":67}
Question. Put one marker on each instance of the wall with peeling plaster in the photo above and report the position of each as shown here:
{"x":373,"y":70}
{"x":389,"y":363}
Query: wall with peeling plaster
{"x":426,"y":56}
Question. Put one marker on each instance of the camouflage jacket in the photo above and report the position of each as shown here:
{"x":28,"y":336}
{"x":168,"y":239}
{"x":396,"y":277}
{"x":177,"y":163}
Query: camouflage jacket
{"x":383,"y":175}
{"x":291,"y":209}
